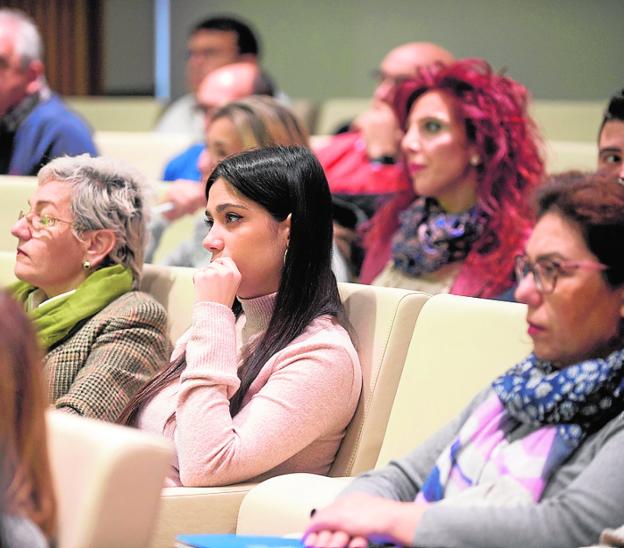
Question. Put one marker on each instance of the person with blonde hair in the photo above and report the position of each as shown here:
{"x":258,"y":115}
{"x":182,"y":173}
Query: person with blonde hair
{"x":253,"y":122}
{"x":27,"y":497}
{"x":79,"y":261}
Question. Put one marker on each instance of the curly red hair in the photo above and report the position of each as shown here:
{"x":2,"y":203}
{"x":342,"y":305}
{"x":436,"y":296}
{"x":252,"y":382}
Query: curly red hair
{"x":494,"y":110}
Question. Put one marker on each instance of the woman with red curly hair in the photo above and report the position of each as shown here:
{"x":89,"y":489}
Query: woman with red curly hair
{"x":473,"y":155}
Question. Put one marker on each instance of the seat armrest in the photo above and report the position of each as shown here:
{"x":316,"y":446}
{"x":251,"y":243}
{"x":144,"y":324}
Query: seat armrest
{"x":196,"y":510}
{"x":282,"y":505}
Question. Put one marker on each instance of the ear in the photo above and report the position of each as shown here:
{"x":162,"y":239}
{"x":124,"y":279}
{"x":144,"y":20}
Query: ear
{"x":98,"y":244}
{"x":35,"y":73}
{"x":284,"y":229}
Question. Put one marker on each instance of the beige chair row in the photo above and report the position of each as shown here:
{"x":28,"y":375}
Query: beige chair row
{"x":458,"y":346}
{"x":560,"y":120}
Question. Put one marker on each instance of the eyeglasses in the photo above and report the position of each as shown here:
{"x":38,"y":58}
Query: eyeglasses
{"x":41,"y":222}
{"x":546,"y":272}
{"x":379,"y":76}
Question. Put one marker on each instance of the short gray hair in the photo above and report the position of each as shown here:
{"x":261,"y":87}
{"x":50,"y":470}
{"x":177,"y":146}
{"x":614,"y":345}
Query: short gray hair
{"x":28,"y":44}
{"x":106,"y":195}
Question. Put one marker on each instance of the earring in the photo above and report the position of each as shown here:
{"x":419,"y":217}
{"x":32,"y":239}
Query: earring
{"x":474,"y":161}
{"x":86,"y":265}
{"x":285,"y":254}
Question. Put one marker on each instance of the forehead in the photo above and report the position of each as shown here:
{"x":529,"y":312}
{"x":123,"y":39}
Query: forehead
{"x":7,"y":43}
{"x":55,"y":192}
{"x":214,"y":39}
{"x":612,"y":134}
{"x":222,"y":128}
{"x":554,"y":233}
{"x":399,"y":62}
{"x":435,"y":103}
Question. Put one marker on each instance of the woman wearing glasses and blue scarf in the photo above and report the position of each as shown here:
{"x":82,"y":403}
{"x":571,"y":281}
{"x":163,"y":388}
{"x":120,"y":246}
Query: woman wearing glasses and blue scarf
{"x":536,"y":459}
{"x":79,"y":261}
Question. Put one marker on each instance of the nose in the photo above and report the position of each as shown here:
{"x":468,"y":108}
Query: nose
{"x":411,"y":140}
{"x":527,"y":292}
{"x":21,"y":229}
{"x":214,"y":241}
{"x":621,"y":174}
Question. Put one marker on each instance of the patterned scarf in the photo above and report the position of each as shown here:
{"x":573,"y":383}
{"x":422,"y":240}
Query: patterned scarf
{"x":429,"y":238}
{"x":565,"y":404}
{"x":55,"y":319}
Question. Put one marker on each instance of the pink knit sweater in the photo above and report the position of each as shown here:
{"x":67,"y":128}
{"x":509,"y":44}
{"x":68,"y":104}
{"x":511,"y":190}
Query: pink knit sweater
{"x":293,"y":416}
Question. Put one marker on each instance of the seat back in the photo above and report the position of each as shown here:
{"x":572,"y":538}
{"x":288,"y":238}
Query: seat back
{"x":7,"y":266}
{"x":459,"y":345}
{"x":107,"y":480}
{"x":147,"y":151}
{"x":171,"y":286}
{"x":15,"y":192}
{"x":383,"y":320}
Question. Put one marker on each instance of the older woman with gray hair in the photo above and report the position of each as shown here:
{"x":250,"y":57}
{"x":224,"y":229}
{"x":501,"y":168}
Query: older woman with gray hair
{"x":79,"y":261}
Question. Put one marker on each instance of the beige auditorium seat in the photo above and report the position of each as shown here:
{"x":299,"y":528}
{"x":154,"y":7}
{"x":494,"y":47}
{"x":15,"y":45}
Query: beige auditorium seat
{"x":459,"y":345}
{"x":129,"y":113}
{"x":15,"y":192}
{"x":7,"y":264}
{"x":107,"y":480}
{"x":146,"y":151}
{"x":564,"y":120}
{"x":383,"y":320}
{"x":173,"y":288}
{"x":566,"y":155}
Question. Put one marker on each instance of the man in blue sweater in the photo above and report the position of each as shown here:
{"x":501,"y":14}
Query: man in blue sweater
{"x":35,"y":125}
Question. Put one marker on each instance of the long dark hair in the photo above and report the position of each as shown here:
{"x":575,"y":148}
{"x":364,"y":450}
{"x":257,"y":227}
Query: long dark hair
{"x":285,"y":181}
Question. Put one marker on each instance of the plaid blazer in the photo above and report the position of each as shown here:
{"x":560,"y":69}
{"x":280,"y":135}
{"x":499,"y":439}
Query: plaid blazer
{"x":106,"y":359}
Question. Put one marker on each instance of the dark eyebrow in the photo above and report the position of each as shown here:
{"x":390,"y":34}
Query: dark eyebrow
{"x":228,"y":205}
{"x":610,"y":149}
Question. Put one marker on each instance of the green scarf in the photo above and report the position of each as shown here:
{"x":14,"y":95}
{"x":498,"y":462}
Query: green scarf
{"x":55,"y":319}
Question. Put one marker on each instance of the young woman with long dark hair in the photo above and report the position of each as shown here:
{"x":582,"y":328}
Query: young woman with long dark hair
{"x":266,"y":379}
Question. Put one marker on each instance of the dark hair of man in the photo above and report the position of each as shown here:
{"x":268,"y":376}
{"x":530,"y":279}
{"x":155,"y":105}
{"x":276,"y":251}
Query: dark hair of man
{"x":595,"y":204}
{"x":245,"y":37}
{"x":615,"y":109}
{"x":285,"y":181}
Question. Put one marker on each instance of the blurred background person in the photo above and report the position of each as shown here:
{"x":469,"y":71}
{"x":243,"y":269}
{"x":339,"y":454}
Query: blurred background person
{"x":212,"y":44}
{"x":35,"y":124}
{"x":79,"y":261}
{"x":362,"y":164}
{"x":611,"y":138}
{"x":535,"y":459}
{"x":473,"y":155}
{"x":255,"y":122}
{"x":28,"y":505}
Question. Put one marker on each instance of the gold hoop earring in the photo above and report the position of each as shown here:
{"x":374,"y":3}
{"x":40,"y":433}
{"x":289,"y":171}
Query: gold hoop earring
{"x":285,"y":254}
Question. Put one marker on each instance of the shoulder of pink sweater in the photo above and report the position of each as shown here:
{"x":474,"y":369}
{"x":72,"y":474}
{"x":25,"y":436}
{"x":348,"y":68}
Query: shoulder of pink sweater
{"x":326,"y":336}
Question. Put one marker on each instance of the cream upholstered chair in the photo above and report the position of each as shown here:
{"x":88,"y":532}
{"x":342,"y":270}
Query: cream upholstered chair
{"x":459,"y":345}
{"x":7,"y":264}
{"x":171,"y":286}
{"x":147,"y":151}
{"x":15,"y":192}
{"x":383,"y":320}
{"x":107,"y":479}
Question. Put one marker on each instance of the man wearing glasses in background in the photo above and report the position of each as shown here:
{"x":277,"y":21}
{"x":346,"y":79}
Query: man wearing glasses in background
{"x":212,"y":44}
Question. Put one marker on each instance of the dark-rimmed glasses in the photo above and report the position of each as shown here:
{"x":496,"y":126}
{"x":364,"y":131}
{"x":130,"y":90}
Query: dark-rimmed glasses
{"x":546,"y":272}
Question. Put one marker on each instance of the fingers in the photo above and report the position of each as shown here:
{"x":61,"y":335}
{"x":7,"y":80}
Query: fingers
{"x":218,"y":282}
{"x":330,"y":539}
